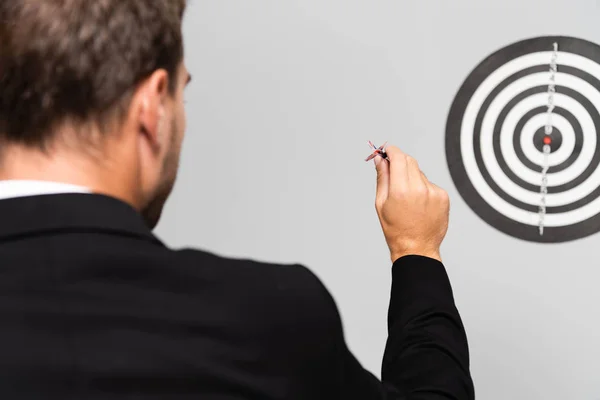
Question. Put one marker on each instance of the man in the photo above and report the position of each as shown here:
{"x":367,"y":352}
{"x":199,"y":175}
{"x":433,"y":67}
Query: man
{"x":96,"y":307}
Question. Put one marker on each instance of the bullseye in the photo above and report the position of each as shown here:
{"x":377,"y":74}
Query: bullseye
{"x":554,"y":140}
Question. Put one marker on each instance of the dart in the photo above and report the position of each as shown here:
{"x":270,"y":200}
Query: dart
{"x":378,"y":151}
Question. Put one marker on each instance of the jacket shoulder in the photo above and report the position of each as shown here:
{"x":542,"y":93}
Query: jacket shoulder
{"x":291,"y":284}
{"x":249,"y":272}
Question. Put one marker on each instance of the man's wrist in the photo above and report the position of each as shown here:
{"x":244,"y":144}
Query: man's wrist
{"x":429,"y":254}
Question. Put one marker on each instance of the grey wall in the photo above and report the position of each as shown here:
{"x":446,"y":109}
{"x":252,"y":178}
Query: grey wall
{"x":290,"y":91}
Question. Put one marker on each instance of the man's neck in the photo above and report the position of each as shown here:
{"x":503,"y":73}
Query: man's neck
{"x":20,"y":164}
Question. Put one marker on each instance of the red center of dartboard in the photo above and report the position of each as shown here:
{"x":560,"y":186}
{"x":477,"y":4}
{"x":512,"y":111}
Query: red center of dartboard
{"x":547,"y":140}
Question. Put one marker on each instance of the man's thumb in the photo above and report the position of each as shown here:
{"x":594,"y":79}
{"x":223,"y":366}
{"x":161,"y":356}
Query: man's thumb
{"x":383,"y":179}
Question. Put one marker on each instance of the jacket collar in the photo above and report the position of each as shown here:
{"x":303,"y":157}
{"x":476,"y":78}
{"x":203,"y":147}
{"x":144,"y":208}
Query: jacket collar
{"x":70,"y":212}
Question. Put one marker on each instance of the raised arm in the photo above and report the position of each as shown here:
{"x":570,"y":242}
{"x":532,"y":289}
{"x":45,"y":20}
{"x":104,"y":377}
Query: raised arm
{"x":426,"y":356}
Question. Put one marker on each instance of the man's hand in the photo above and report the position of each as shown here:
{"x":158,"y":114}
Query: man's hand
{"x":413,"y":211}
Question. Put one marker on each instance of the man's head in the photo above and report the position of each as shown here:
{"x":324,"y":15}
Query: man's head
{"x":91,"y":92}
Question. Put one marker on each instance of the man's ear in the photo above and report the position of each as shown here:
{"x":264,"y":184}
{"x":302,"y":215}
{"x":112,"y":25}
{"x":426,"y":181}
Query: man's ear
{"x":150,"y":99}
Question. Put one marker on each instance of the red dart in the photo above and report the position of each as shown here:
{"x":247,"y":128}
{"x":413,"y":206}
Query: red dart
{"x":379,"y":151}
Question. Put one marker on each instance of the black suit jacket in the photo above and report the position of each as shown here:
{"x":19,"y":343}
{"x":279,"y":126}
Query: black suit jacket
{"x":93,"y":306}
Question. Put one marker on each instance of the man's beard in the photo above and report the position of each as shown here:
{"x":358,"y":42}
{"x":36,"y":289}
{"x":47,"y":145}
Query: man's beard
{"x":153,"y":209}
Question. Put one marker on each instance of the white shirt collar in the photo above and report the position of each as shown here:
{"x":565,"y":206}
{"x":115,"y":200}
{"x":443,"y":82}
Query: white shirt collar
{"x":22,"y":188}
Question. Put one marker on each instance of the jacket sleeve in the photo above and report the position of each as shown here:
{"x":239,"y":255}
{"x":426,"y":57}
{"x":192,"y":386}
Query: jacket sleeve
{"x":426,"y":355}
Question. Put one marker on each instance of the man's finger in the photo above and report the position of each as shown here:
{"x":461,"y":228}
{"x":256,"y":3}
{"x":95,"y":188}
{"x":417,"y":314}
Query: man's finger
{"x":424,"y":178}
{"x":438,"y":191}
{"x":383,"y":180}
{"x":415,"y":177}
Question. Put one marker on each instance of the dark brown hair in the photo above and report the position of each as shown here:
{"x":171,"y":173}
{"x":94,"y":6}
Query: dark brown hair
{"x":79,"y":60}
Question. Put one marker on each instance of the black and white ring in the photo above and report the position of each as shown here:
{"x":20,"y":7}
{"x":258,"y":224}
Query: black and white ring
{"x":493,"y":136}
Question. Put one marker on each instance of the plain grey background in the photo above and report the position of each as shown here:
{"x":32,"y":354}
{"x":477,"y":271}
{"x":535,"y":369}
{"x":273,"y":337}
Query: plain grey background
{"x":286,"y":93}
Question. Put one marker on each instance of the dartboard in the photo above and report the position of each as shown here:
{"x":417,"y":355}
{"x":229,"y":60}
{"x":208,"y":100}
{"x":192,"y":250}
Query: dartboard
{"x":522,"y":139}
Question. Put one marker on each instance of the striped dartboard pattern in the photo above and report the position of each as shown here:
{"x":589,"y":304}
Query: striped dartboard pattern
{"x":495,"y":134}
